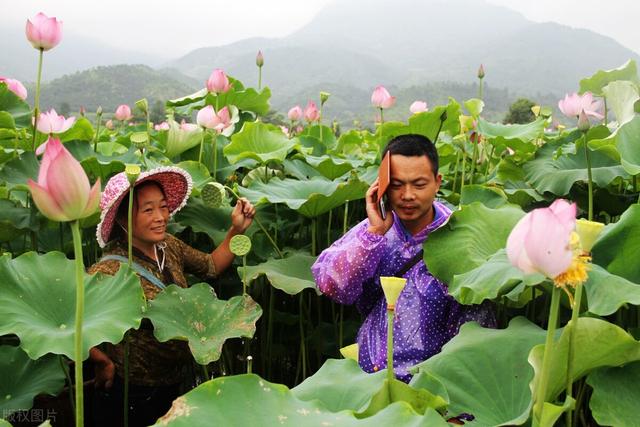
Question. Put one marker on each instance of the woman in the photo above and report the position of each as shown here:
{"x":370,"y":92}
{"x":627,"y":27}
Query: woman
{"x":155,"y":369}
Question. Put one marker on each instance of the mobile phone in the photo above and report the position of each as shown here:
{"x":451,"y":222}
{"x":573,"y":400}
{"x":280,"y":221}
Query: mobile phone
{"x":384,"y":178}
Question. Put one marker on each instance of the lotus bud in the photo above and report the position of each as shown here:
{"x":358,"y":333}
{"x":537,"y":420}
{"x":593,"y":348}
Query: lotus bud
{"x":583,"y":122}
{"x":143,"y":105}
{"x":259,"y":59}
{"x":132,"y":171}
{"x":380,"y":98}
{"x":109,"y":124}
{"x":324,"y":96}
{"x":481,"y":72}
{"x":15,"y":86}
{"x":99,"y":110}
{"x":295,"y":113}
{"x":392,"y":286}
{"x":589,"y":231}
{"x":44,"y":33}
{"x":123,"y":112}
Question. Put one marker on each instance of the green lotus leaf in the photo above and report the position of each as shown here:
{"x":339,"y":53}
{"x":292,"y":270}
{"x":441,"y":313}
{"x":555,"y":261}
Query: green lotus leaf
{"x":38,"y":297}
{"x":291,"y":275}
{"x":240,"y":245}
{"x":177,"y":140}
{"x":524,"y":133}
{"x":615,"y":397}
{"x":19,"y":109}
{"x":474,"y":106}
{"x":485,"y":371}
{"x":606,"y":292}
{"x":188,"y":99}
{"x":98,"y":165}
{"x":618,"y":247}
{"x":621,"y":97}
{"x":494,"y":278}
{"x":259,"y":141}
{"x":557,"y":175}
{"x":514,"y":184}
{"x":598,"y":343}
{"x":82,"y":130}
{"x":310,"y":198}
{"x":7,"y":122}
{"x":16,"y":172}
{"x":398,"y":391}
{"x":214,"y":222}
{"x":243,"y":400}
{"x":197,"y":316}
{"x":261,"y":173}
{"x":332,"y":167}
{"x":596,"y":83}
{"x":491,"y":197}
{"x":551,"y":413}
{"x":328,"y":385}
{"x":321,"y":133}
{"x":628,"y":145}
{"x":23,"y":378}
{"x":199,"y":173}
{"x":244,"y":99}
{"x":299,"y":169}
{"x":472,"y":235}
{"x":428,"y":123}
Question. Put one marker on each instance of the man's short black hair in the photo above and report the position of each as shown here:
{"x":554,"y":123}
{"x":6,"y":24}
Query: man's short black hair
{"x":414,"y":145}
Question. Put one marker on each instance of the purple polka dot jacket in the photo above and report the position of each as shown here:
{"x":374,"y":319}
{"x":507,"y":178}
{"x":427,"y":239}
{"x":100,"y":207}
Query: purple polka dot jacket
{"x":426,"y":316}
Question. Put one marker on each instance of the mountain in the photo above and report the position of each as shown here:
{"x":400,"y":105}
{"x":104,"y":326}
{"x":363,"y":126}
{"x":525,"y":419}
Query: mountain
{"x":362,"y":43}
{"x":110,"y":86}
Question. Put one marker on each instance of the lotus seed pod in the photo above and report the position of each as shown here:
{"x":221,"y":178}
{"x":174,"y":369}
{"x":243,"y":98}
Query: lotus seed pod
{"x":240,"y":245}
{"x":212,"y":194}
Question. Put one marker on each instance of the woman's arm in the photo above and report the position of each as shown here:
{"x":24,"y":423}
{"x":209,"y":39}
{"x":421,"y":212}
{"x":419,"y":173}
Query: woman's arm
{"x":241,"y":218}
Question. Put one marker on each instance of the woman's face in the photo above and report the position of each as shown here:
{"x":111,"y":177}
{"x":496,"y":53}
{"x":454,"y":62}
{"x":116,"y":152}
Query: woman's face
{"x":150,"y":216}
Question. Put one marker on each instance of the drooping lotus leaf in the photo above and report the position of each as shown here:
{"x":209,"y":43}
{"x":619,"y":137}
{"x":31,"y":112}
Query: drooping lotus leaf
{"x":496,"y":277}
{"x":606,"y":292}
{"x":523,"y":132}
{"x":485,"y":371}
{"x":628,"y":144}
{"x":332,"y":167}
{"x":247,"y":99}
{"x":291,"y":275}
{"x":474,"y":106}
{"x":259,"y":141}
{"x":19,"y":109}
{"x":472,"y":236}
{"x":38,"y":298}
{"x":243,"y":400}
{"x":618,"y":247}
{"x":329,"y":385}
{"x":551,"y":413}
{"x":596,"y":83}
{"x":546,"y":173}
{"x":199,"y":173}
{"x":310,"y":198}
{"x":188,"y":99}
{"x":491,"y":197}
{"x":197,"y":316}
{"x":615,"y":397}
{"x":397,"y":391}
{"x":82,"y":130}
{"x":621,"y":97}
{"x":23,"y":378}
{"x":597,"y":343}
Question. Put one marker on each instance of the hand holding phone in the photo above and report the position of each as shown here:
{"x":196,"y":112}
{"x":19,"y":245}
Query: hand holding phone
{"x":384,"y":178}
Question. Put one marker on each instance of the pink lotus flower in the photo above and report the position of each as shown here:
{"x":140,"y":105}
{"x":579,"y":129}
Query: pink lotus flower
{"x":380,"y":98}
{"x":218,"y":82}
{"x":311,"y":113}
{"x":188,"y":127}
{"x":220,"y":122}
{"x":573,"y":104}
{"x":109,"y":124}
{"x":161,"y":126}
{"x":51,"y":122}
{"x":540,"y":240}
{"x":418,"y":107}
{"x":16,"y":87}
{"x":63,"y":192}
{"x":259,"y":59}
{"x":44,"y":33}
{"x":295,"y":113}
{"x":123,"y":112}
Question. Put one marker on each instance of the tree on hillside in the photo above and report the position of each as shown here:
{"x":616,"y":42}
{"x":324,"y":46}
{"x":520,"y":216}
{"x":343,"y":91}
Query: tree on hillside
{"x":156,"y":113}
{"x":520,"y":112}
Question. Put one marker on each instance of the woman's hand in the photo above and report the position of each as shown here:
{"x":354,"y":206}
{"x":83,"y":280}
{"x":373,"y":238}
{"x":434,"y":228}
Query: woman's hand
{"x":242,"y":216}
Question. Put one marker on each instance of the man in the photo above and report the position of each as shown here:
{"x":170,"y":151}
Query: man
{"x":349,"y":271}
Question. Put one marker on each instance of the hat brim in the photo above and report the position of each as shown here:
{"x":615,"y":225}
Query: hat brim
{"x":176,"y":185}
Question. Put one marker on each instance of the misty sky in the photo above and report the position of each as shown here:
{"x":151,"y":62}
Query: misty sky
{"x":179,"y":27}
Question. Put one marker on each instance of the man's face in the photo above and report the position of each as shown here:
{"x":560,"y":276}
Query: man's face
{"x":412,"y":190}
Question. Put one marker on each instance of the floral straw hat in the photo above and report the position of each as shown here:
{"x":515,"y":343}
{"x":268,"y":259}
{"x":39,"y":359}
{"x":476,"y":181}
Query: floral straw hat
{"x":175,"y":182}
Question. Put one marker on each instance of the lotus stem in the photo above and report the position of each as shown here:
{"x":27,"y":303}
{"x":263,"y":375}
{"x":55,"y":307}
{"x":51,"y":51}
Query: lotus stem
{"x":204,"y":132}
{"x":244,"y":275}
{"x":65,"y":369}
{"x":215,"y":156}
{"x":303,"y":348}
{"x":340,"y":327}
{"x":259,"y":78}
{"x":205,"y":372}
{"x":486,"y":170}
{"x":474,"y":159}
{"x":546,"y":360}
{"x":575,"y":312}
{"x":329,"y":228}
{"x":313,"y":236}
{"x":125,"y":400}
{"x":36,"y":106}
{"x":464,"y":166}
{"x":345,"y":220}
{"x":130,"y":227}
{"x":381,"y":127}
{"x":587,"y":154}
{"x":95,"y":138}
{"x":390,"y":374}
{"x":77,"y":249}
{"x":455,"y":173}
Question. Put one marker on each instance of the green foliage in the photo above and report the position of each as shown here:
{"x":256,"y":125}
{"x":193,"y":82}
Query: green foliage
{"x":615,"y":395}
{"x":520,"y":112}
